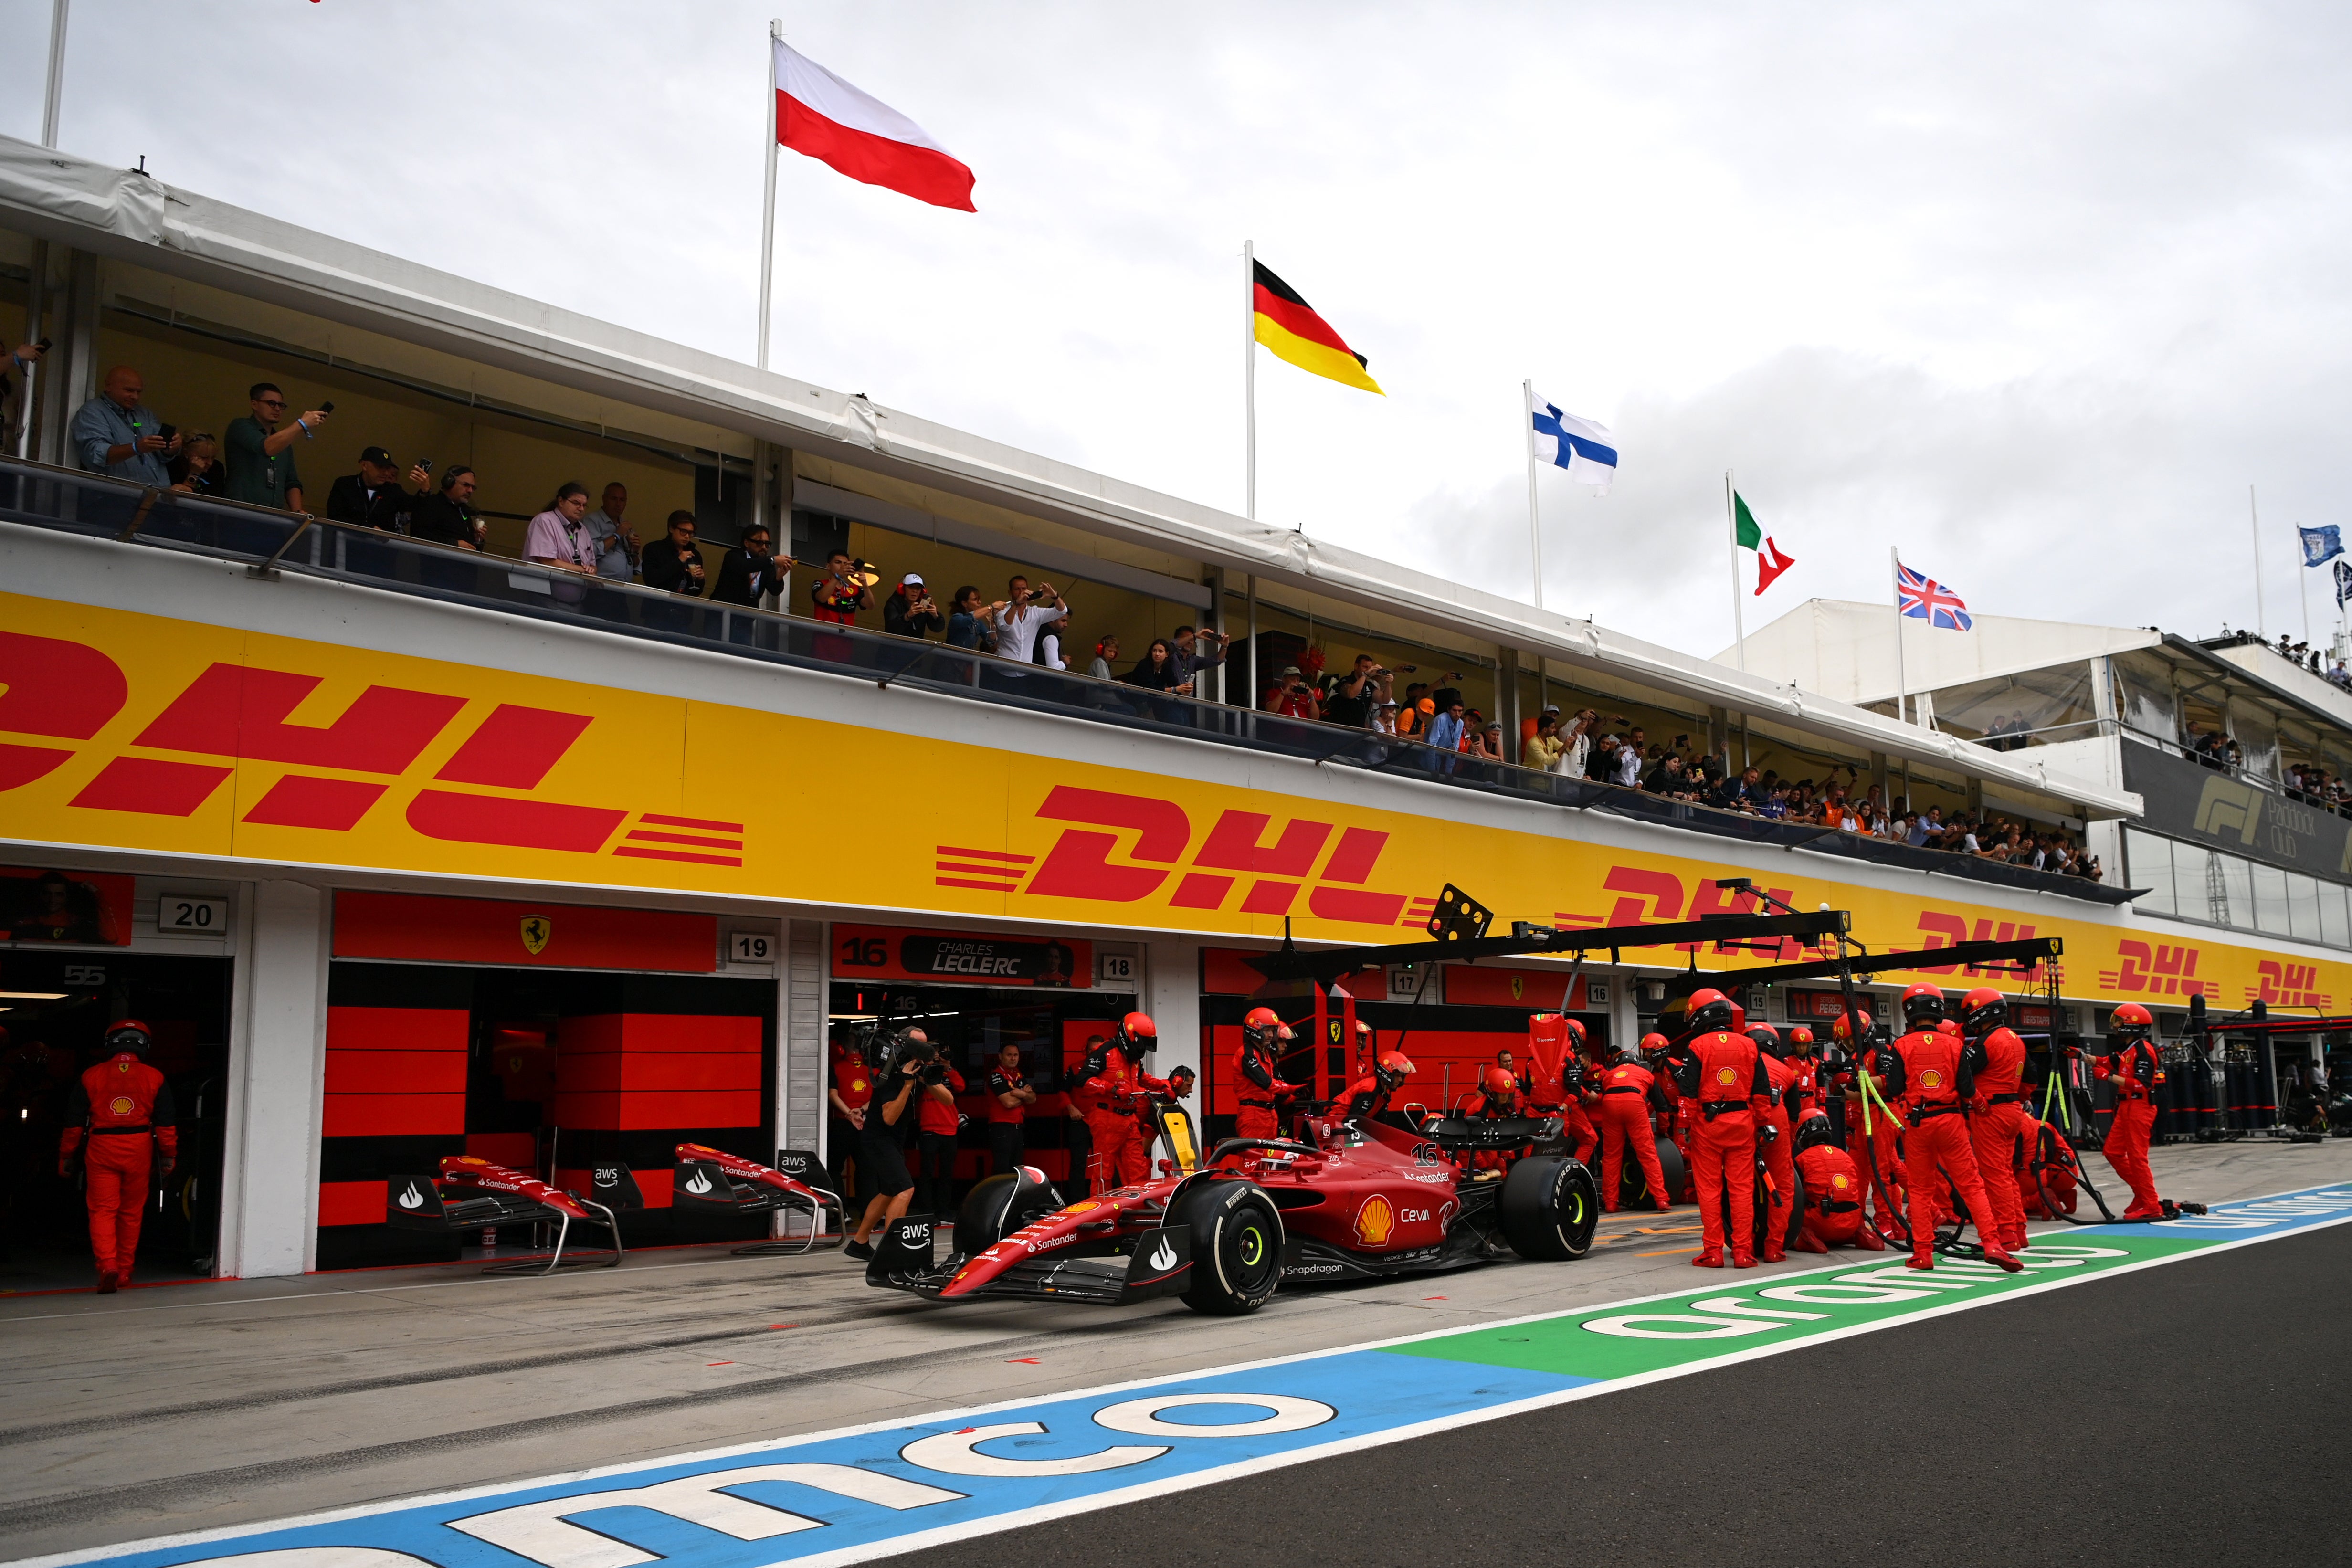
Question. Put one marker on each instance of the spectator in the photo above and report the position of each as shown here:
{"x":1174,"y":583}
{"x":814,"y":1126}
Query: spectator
{"x":373,"y":499}
{"x":1776,"y":802}
{"x":1049,"y":649}
{"x":838,"y":595}
{"x":1023,"y":615}
{"x":1415,"y":705}
{"x":1425,"y":713}
{"x":1543,"y":749}
{"x":1384,"y":718}
{"x":260,"y":453}
{"x":446,"y":516}
{"x":1486,"y":743}
{"x":747,"y":574}
{"x":1156,"y":671}
{"x":1925,"y":828}
{"x":1446,"y":729}
{"x":613,"y":543}
{"x":558,"y":536}
{"x":1198,"y":651}
{"x":1104,"y":652}
{"x":1352,"y":694}
{"x":908,"y":611}
{"x":1628,"y":764}
{"x":16,"y":376}
{"x":1575,"y":744}
{"x":112,"y":433}
{"x":196,"y":471}
{"x":673,"y":562}
{"x":1291,"y":695}
{"x":972,"y":624}
{"x":1741,"y":794}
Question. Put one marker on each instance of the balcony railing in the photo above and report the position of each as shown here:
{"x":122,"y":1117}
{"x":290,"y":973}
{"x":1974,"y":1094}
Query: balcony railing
{"x":272,"y":542}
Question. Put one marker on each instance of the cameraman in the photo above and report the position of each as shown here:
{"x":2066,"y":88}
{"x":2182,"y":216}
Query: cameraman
{"x":882,"y":1139}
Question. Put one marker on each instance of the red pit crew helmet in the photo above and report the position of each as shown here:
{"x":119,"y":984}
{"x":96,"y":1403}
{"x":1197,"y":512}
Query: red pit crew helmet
{"x":1137,"y":1035}
{"x":1801,"y":1040}
{"x":1708,"y":1011}
{"x":1767,"y":1040}
{"x":1497,"y":1082}
{"x":1923,"y":1005}
{"x":2131,"y":1021}
{"x":1392,"y":1069}
{"x":130,"y":1034}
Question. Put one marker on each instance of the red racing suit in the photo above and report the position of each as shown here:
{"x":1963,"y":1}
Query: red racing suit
{"x":1876,"y":1147}
{"x":1629,"y":1093}
{"x":1996,"y":1122}
{"x":1780,"y":1162}
{"x":2141,"y":1069}
{"x":1928,"y":1081}
{"x":2058,"y":1178}
{"x":1834,"y":1194}
{"x":1113,"y":1099}
{"x":1803,"y":1096}
{"x":1261,"y":1094}
{"x":1494,"y":1107}
{"x":1564,"y":1093}
{"x":1721,"y":1076}
{"x":126,"y":1105}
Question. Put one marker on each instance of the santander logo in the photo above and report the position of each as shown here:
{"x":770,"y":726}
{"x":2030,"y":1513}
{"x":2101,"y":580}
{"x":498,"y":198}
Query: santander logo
{"x":698,"y":1183}
{"x":1163,"y":1256}
{"x":410,"y":1197}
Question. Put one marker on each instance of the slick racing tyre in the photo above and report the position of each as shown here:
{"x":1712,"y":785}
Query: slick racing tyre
{"x":1549,"y":1206}
{"x":1636,"y":1188}
{"x":1237,"y":1246}
{"x":998,"y":1206}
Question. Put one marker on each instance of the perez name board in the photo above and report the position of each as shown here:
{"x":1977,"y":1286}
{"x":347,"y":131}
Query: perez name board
{"x":959,"y":958}
{"x":2205,"y":806}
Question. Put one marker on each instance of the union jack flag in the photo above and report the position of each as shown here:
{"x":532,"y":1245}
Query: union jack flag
{"x":1924,"y":598}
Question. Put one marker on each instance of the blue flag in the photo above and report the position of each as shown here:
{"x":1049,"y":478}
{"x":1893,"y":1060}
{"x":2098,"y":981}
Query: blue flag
{"x":2321,"y":546}
{"x":2343,"y":582}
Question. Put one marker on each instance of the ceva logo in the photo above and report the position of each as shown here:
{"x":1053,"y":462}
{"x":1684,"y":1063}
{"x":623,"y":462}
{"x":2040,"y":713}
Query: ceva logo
{"x":62,"y":690}
{"x":1129,"y":848}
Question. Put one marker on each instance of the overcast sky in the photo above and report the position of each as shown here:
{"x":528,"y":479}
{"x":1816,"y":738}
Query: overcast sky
{"x":2034,"y":291}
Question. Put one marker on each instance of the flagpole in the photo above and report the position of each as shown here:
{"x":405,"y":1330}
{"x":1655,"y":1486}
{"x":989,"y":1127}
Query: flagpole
{"x":1731,"y":520}
{"x":2254,"y":521}
{"x":768,"y":210}
{"x":1535,"y":529}
{"x":1894,"y":553}
{"x":2303,"y":589}
{"x":1249,"y":378}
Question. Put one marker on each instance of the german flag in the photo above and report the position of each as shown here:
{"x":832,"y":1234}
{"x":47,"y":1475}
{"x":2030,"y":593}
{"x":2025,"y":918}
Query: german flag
{"x":1289,"y":325}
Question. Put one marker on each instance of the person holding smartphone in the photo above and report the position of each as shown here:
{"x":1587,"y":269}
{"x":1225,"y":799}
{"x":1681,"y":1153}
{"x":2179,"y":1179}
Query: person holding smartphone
{"x":115,"y":434}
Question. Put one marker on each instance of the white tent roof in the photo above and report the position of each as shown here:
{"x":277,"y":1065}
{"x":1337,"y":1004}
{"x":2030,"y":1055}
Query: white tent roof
{"x":1844,"y":649}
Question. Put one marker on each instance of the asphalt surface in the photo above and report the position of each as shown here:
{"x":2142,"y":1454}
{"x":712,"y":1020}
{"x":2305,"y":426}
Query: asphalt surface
{"x":2191,"y":1412}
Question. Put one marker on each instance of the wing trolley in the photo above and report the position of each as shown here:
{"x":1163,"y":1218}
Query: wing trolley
{"x":712,"y":1181}
{"x":472,"y":1194}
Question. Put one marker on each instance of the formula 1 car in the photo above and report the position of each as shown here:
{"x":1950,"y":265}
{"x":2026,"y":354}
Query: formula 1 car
{"x":712,"y":1181}
{"x":1348,"y":1202}
{"x":472,"y":1194}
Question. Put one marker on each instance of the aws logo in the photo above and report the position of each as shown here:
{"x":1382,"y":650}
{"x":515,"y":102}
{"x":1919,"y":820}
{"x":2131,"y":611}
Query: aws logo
{"x":1125,"y":848}
{"x":337,"y":772}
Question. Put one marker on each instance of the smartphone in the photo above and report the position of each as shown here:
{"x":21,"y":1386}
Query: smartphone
{"x":43,"y":345}
{"x":167,"y":432}
{"x":326,"y":408}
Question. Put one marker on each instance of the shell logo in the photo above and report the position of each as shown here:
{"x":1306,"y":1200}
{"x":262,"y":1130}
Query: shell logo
{"x":122,"y":1105}
{"x":1082,"y":1207}
{"x":856,"y":1085}
{"x":1931,"y":1079}
{"x":1841,"y":1181}
{"x":1375,"y":1220}
{"x":1726,"y":1076}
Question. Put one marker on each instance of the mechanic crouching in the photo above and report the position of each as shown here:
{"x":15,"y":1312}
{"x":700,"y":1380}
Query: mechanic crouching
{"x":1833,"y":1192}
{"x":1721,"y":1074}
{"x":907,"y":1068}
{"x":1368,"y":1096}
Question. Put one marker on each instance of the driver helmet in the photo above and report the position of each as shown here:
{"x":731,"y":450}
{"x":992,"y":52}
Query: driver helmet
{"x":130,"y":1034}
{"x":1707,"y":1011}
{"x":1812,"y":1131}
{"x":1498,"y":1085}
{"x":1392,"y":1069}
{"x":1923,"y":1005}
{"x":1137,"y":1035}
{"x":1767,"y":1040}
{"x":1801,"y":1040}
{"x":2130,"y":1022}
{"x":1982,"y":1011}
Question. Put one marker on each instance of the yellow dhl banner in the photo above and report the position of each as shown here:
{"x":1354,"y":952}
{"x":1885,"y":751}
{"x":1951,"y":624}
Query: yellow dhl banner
{"x":130,"y":731}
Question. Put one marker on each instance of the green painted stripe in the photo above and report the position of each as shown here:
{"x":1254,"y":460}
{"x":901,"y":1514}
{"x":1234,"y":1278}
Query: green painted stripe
{"x":1735,"y":1313}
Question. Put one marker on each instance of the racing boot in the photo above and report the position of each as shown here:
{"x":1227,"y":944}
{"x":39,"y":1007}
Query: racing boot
{"x":1739,"y":1262}
{"x":1924,"y":1262}
{"x":1869,"y":1240}
{"x":2000,"y":1258}
{"x":1708,"y":1260}
{"x":108,"y":1280}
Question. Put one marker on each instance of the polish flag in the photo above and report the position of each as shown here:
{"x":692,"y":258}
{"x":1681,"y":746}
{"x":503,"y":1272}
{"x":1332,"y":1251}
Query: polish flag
{"x":822,"y":116}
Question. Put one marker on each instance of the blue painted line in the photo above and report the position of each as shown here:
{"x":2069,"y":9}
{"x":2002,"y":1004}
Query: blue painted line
{"x":848,"y":1496}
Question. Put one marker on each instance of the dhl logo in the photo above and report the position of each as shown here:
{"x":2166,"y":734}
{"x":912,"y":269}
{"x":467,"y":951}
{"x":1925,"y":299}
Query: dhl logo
{"x":1647,"y":897}
{"x":2157,"y":969}
{"x":2287,"y":984}
{"x":1126,"y":848}
{"x":1942,"y":930}
{"x":61,"y":690}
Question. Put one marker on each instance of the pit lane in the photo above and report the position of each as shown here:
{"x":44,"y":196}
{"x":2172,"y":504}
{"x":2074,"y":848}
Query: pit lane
{"x":201,"y":1407}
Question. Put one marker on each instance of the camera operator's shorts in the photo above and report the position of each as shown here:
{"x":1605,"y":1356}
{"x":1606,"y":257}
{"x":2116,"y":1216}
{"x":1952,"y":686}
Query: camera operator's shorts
{"x":882,"y":1162}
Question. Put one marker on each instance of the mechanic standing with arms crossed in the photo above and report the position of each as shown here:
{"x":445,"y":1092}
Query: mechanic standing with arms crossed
{"x":1009,"y":1099}
{"x":882,"y":1140}
{"x":1997,"y":1119}
{"x":1926,"y":1078}
{"x":125,"y":1107}
{"x":1722,"y":1075}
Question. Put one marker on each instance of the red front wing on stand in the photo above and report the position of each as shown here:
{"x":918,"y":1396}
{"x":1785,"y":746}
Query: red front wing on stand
{"x":473,"y":1194}
{"x":713,"y":1181}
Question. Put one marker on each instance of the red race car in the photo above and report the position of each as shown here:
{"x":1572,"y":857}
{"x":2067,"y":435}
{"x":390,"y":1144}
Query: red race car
{"x":1353,"y":1199}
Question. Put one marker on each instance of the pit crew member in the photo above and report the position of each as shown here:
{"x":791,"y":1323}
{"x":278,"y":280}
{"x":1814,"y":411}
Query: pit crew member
{"x":2134,"y":1070}
{"x":1928,"y":1080}
{"x":1009,"y":1099}
{"x":1779,"y":1148}
{"x":1115,"y":1088}
{"x":1258,"y":1068}
{"x":1721,"y":1073}
{"x":1368,"y":1096}
{"x":124,"y":1106}
{"x":1997,"y":1119}
{"x":1833,"y":1192}
{"x":1629,"y":1094}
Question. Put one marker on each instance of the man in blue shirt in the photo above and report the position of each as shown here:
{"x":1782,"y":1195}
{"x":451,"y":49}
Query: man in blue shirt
{"x":113,"y":434}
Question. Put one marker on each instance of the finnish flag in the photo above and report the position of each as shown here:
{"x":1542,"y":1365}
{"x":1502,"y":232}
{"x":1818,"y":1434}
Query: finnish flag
{"x":1586,"y":450}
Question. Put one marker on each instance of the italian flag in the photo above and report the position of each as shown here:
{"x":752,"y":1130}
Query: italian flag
{"x":1769,"y":562}
{"x":819,"y":114}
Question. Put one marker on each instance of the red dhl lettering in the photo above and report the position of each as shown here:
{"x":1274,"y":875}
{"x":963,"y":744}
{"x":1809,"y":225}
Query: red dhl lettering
{"x":2157,"y":969}
{"x":2281,"y":984}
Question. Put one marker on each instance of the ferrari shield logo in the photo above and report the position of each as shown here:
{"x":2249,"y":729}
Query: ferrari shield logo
{"x":536,"y":930}
{"x":1519,"y":986}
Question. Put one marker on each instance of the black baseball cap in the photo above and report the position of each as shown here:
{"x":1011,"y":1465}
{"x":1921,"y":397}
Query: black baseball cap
{"x":377,"y":455}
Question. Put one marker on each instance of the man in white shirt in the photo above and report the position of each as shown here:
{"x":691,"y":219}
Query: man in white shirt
{"x":1629,"y":766}
{"x":1023,"y":616}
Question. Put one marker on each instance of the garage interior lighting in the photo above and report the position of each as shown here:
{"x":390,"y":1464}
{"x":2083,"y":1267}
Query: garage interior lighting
{"x":33,"y":995}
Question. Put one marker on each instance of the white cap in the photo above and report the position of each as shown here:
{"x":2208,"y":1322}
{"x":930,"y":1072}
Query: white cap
{"x":914,"y":578}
